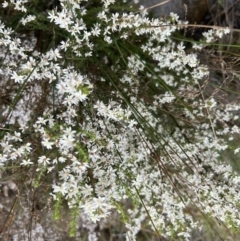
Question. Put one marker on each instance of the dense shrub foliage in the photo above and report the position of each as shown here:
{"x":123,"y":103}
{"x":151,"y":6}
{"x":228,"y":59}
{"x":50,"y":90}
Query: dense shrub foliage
{"x":105,"y":110}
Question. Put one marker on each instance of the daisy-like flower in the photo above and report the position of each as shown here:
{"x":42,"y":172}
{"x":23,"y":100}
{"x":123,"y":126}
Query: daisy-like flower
{"x":47,"y":143}
{"x":43,"y":160}
{"x":54,"y":54}
{"x":17,"y":78}
{"x":63,"y":189}
{"x":26,"y":162}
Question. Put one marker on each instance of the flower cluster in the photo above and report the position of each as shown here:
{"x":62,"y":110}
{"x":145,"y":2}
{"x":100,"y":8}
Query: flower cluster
{"x":114,"y":110}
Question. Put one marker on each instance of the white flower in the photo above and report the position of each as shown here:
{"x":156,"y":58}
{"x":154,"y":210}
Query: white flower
{"x":108,"y":39}
{"x":54,"y":54}
{"x":96,"y":30}
{"x":6,"y":147}
{"x":66,"y":142}
{"x":26,"y":162}
{"x":17,"y":78}
{"x":47,"y":143}
{"x":174,"y":17}
{"x":51,"y":15}
{"x":64,"y":45}
{"x":17,"y":136}
{"x":80,"y":96}
{"x":63,"y":189}
{"x":28,"y":19}
{"x":236,"y":150}
{"x":3,"y":159}
{"x":43,"y":160}
{"x":41,"y":121}
{"x":5,"y":4}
